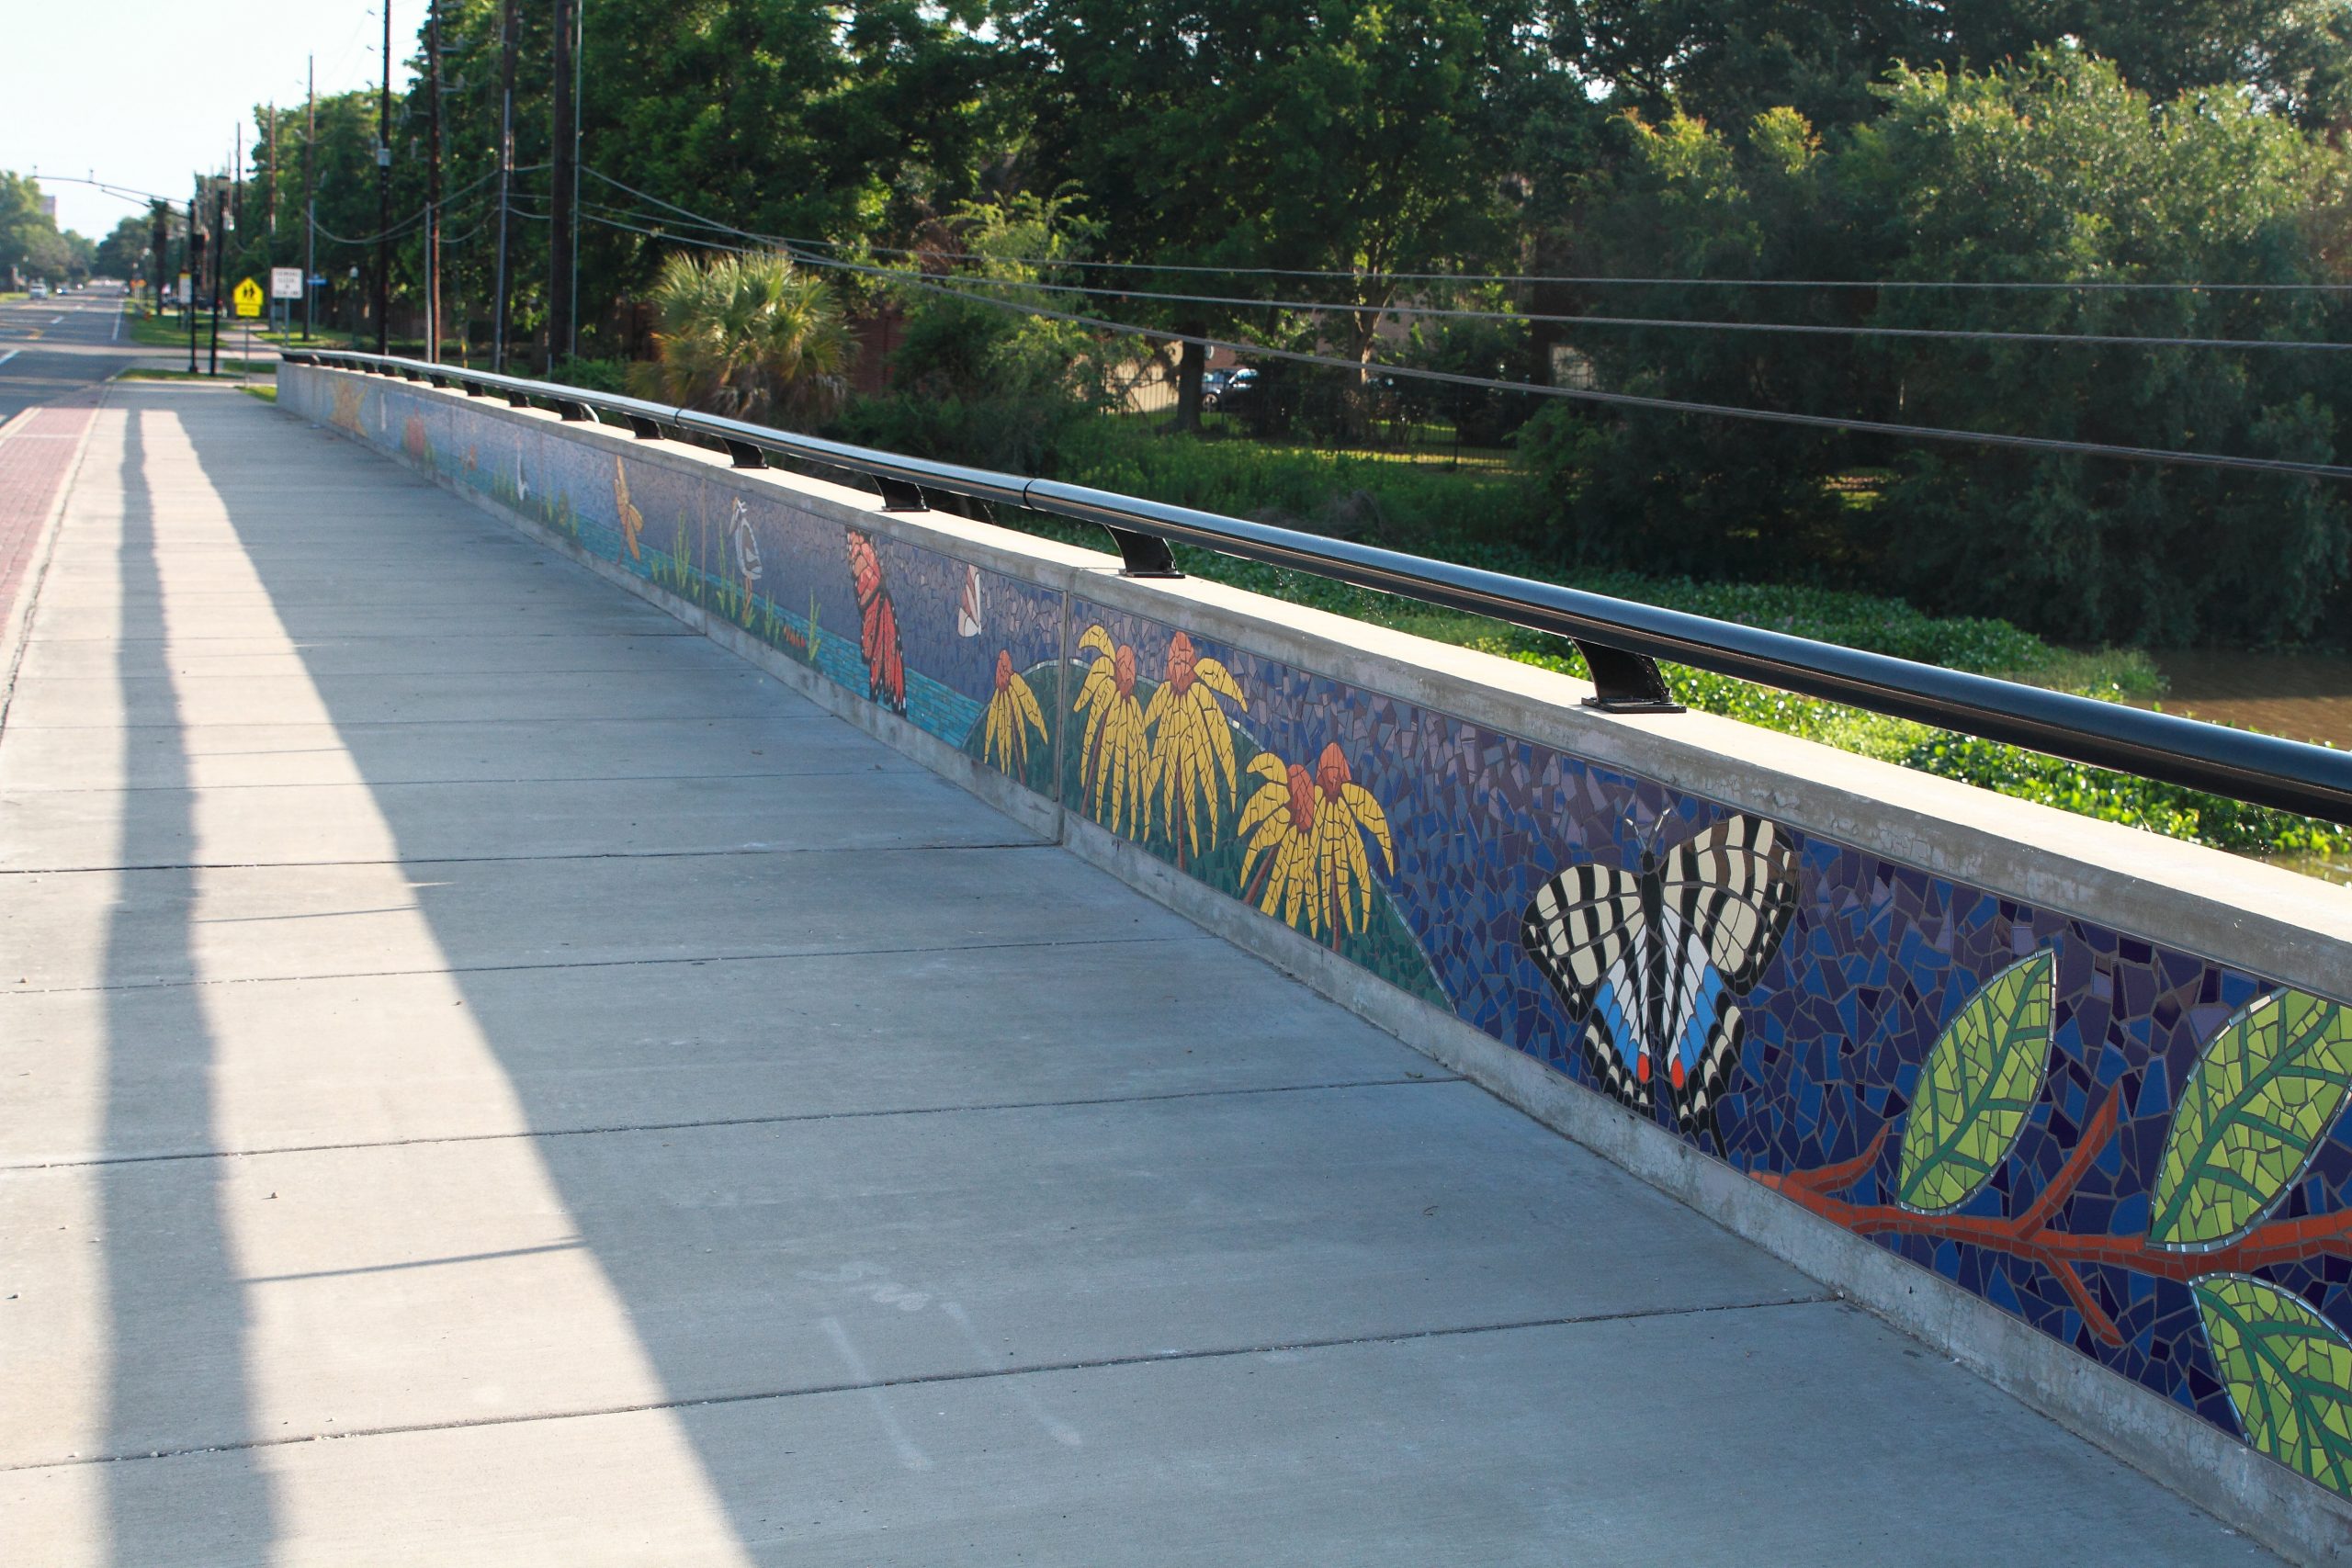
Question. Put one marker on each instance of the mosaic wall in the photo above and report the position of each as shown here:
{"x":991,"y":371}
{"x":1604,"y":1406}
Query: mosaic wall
{"x":2135,"y":1150}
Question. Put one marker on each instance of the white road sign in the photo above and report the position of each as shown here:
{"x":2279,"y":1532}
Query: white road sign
{"x":286,"y":283}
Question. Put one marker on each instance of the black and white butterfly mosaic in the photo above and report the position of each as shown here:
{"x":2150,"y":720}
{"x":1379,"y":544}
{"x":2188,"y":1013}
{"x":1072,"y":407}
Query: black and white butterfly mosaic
{"x":1650,"y":961}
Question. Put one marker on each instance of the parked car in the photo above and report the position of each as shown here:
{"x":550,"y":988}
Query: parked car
{"x":1265,"y":402}
{"x":38,"y":291}
{"x":1218,"y":386}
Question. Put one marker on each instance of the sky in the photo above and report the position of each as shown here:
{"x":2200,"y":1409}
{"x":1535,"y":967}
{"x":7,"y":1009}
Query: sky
{"x":148,"y":93}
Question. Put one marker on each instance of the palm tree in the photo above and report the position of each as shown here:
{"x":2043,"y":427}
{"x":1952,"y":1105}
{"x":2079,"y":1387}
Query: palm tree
{"x":748,"y":336}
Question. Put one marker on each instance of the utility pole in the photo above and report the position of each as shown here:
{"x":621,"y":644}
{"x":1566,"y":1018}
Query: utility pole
{"x":433,"y":182}
{"x":579,"y":70}
{"x":506,"y":20}
{"x":310,"y":199}
{"x":270,"y":200}
{"x":219,"y":255}
{"x":384,"y":192}
{"x":159,"y":236}
{"x":195,"y":264}
{"x":561,"y":235}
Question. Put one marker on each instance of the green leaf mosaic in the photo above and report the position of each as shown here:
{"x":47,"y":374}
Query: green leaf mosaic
{"x":2289,"y":1373}
{"x":1976,"y":1088}
{"x":2265,"y":1092}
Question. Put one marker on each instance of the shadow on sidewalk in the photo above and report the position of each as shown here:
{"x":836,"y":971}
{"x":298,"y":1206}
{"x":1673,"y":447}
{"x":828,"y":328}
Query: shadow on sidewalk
{"x":178,"y":1321}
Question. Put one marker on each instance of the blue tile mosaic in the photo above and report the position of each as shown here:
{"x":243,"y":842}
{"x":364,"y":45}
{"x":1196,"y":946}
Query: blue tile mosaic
{"x":1420,"y":846}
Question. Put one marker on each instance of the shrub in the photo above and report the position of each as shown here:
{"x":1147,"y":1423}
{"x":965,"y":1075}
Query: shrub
{"x":592,"y":375}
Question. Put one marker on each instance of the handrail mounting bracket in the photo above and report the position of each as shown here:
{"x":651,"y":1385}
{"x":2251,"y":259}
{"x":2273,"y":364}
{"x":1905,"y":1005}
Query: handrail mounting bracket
{"x":1143,"y":555}
{"x":1625,"y":682}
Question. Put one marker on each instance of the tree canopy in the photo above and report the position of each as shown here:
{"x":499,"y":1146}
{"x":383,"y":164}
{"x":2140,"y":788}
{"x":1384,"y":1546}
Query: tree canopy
{"x":31,"y":246}
{"x":1318,"y":150}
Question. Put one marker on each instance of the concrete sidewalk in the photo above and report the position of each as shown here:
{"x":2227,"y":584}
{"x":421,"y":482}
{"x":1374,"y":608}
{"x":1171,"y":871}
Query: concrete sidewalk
{"x":487,"y":1077}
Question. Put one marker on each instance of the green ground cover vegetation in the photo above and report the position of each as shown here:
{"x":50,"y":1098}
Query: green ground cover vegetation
{"x":1495,"y":521}
{"x":229,"y":367}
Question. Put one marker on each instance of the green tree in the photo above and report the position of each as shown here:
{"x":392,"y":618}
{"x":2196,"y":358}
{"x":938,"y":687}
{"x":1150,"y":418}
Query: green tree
{"x":2055,"y":168}
{"x":2049,"y":170}
{"x":125,"y":252}
{"x":1724,"y":61}
{"x":2294,"y":56}
{"x":1727,"y":60}
{"x":958,"y":348}
{"x":1367,"y":137}
{"x":30,"y":242}
{"x":837,"y":124}
{"x":1693,"y":493}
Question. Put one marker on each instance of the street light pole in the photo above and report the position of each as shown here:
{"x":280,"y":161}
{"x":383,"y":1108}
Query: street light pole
{"x":506,"y":27}
{"x":159,"y":236}
{"x":310,"y":203}
{"x":219,"y":255}
{"x":195,"y":265}
{"x":433,"y":182}
{"x":384,"y":193}
{"x":560,"y":235}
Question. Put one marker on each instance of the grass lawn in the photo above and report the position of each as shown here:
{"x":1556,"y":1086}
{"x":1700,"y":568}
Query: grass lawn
{"x":230,"y":369}
{"x":170,"y":331}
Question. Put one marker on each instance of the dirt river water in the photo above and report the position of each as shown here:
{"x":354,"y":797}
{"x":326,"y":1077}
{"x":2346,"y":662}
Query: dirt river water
{"x":2307,"y":696}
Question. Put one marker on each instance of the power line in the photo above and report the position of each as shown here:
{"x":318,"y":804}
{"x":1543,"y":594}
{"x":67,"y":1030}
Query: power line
{"x":405,"y":226}
{"x":1801,"y":328}
{"x":687,"y":212}
{"x":449,"y":203}
{"x":1898,"y":284}
{"x":395,"y":231}
{"x":1575,"y":394}
{"x":1985,"y":335}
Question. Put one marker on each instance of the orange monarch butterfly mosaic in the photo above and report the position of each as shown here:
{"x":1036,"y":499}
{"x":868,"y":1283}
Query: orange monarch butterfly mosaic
{"x":877,"y":637}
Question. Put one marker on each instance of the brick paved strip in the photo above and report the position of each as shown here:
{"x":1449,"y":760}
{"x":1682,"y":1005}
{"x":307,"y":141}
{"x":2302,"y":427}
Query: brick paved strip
{"x":36,"y":456}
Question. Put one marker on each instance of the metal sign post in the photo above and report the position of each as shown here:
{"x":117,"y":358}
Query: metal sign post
{"x":246,"y":298}
{"x":286,"y":284}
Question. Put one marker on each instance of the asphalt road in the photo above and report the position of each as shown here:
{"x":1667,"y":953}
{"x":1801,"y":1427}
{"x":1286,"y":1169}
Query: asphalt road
{"x":50,"y":348}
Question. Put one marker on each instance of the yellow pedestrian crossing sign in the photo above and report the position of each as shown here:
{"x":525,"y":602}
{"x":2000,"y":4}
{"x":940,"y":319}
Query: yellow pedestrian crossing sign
{"x":247,"y":298}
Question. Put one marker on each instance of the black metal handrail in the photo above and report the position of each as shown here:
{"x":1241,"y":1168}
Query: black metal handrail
{"x":1621,"y":639}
